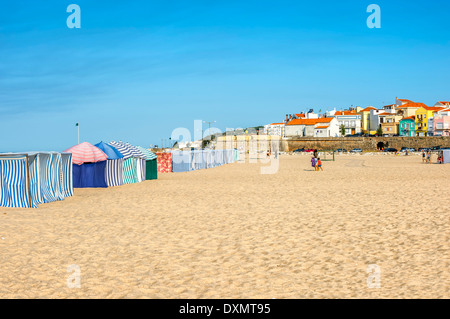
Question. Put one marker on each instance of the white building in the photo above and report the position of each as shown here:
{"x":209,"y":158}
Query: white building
{"x":321,"y":127}
{"x":274,"y":129}
{"x":351,"y":121}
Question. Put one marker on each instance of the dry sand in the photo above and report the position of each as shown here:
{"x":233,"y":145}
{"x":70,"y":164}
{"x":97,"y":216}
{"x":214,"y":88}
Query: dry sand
{"x":230,"y":232}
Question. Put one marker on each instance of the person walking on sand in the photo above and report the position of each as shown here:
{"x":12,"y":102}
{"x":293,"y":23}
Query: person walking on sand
{"x":423,"y":157}
{"x":313,"y":162}
{"x":429,"y":157}
{"x":319,"y":164}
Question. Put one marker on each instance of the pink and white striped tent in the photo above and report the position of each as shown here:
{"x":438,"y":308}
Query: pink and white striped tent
{"x":86,"y":153}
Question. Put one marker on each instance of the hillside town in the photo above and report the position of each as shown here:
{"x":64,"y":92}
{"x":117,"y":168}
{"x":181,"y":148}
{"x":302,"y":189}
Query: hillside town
{"x":404,"y":118}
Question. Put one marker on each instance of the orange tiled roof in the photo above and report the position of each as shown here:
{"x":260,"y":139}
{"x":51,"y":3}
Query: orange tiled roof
{"x":277,"y":124}
{"x":310,"y":121}
{"x":444,"y":102}
{"x":300,"y":115}
{"x":433,"y":108}
{"x":409,"y":118}
{"x":412,"y":105}
{"x":368,"y":109}
{"x":345,"y":113}
{"x":405,"y":100}
{"x":324,"y":126}
{"x":385,"y":113}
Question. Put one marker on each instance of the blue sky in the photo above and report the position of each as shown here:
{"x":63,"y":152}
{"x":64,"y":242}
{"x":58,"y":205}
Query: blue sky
{"x":139,"y":69}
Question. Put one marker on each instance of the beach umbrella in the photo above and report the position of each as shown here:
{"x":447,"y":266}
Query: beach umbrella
{"x":86,"y":153}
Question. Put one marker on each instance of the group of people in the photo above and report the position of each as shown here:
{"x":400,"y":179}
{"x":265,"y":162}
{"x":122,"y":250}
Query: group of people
{"x":316,"y":162}
{"x":426,"y":157}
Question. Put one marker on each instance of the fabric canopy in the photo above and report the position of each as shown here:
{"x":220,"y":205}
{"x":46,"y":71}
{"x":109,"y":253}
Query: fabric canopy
{"x":86,"y":153}
{"x":122,"y":148}
{"x":109,"y":150}
{"x":148,"y":154}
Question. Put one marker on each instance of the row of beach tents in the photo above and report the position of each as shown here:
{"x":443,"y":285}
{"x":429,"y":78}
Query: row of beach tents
{"x":32,"y":178}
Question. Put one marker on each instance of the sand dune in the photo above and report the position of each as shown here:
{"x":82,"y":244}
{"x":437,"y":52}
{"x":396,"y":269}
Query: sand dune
{"x":230,"y":232}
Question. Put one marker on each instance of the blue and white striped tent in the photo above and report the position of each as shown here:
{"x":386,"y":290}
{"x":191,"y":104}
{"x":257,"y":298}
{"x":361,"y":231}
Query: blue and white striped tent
{"x":46,"y":177}
{"x":14,"y":181}
{"x":114,"y":164}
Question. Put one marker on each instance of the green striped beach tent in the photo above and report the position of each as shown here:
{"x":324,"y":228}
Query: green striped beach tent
{"x":133,"y":162}
{"x":151,"y":167}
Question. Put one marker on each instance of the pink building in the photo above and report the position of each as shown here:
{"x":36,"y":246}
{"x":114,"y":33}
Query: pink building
{"x":441,"y":125}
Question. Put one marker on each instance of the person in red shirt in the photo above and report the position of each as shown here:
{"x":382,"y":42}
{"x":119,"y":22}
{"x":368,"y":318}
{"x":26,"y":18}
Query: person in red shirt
{"x":319,"y":164}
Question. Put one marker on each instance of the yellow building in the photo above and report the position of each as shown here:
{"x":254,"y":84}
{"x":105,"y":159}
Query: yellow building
{"x":423,"y":114}
{"x":365,"y":121}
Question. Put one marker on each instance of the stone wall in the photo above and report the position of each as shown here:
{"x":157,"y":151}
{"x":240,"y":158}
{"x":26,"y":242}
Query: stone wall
{"x":365,"y":143}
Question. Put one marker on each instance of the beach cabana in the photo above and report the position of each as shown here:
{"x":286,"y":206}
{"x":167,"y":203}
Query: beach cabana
{"x":151,"y":165}
{"x":14,"y":181}
{"x":446,"y":154}
{"x":48,"y":175}
{"x":45,"y":178}
{"x":114,"y":164}
{"x":140,"y":161}
{"x":182,"y":161}
{"x":89,"y":166}
{"x":164,"y":162}
{"x":67,"y":174}
{"x":132,"y":162}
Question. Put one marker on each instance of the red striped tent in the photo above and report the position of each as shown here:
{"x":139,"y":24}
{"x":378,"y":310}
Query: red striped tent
{"x":89,"y":165}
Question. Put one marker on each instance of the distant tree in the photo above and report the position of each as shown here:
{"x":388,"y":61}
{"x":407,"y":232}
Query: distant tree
{"x":379,"y":131}
{"x":342,"y":128}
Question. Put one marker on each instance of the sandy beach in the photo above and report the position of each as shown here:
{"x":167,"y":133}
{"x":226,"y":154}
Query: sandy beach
{"x":231,"y":232}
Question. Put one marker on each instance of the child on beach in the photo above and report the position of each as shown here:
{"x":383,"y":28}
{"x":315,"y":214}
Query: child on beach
{"x":319,"y":164}
{"x":313,"y":163}
{"x":423,"y":157}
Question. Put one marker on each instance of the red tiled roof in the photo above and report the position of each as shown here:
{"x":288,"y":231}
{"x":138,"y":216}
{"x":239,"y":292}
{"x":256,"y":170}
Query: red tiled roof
{"x":412,"y":105}
{"x":345,"y":113}
{"x":300,"y":115}
{"x":405,"y":100}
{"x":433,"y":108}
{"x":385,"y":113}
{"x":409,"y":118}
{"x":310,"y":121}
{"x":368,"y":109}
{"x":324,"y":126}
{"x":276,"y":124}
{"x":444,"y":102}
